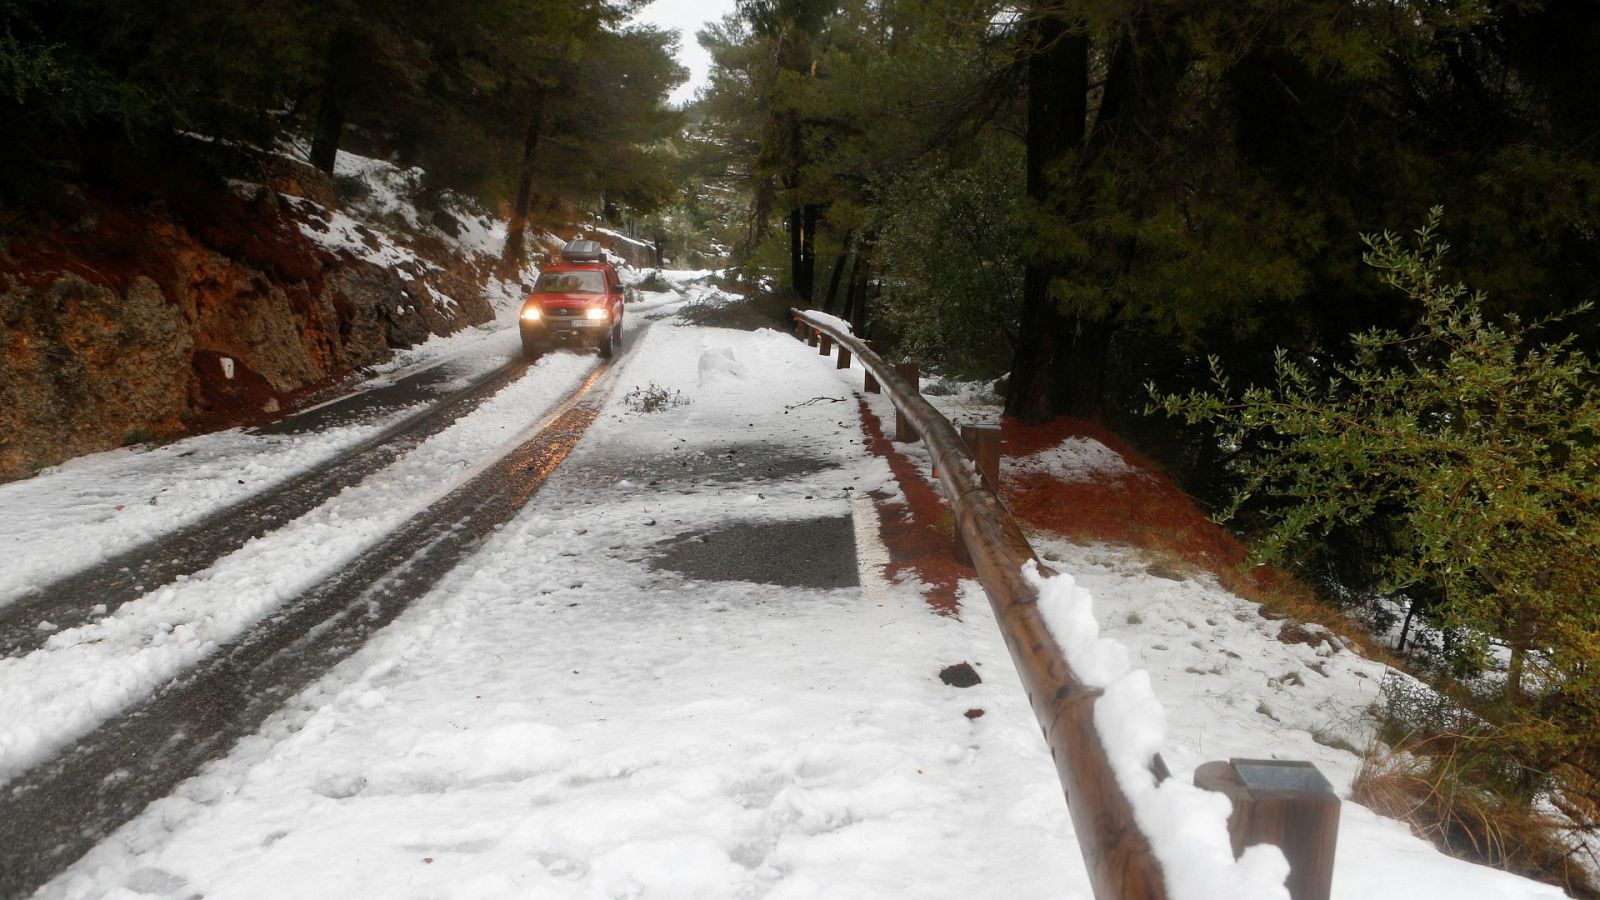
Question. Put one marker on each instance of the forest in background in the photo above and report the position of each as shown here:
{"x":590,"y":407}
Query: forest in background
{"x":1221,"y":228}
{"x":523,"y":105}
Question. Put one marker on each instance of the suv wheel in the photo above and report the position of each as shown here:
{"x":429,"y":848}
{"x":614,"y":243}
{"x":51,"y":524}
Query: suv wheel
{"x":612,"y":341}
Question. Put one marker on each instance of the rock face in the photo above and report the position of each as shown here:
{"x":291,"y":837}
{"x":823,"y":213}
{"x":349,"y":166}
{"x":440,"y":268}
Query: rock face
{"x":116,"y":330}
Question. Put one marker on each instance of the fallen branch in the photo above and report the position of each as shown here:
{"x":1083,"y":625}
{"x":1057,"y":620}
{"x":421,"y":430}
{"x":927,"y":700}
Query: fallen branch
{"x":815,"y":400}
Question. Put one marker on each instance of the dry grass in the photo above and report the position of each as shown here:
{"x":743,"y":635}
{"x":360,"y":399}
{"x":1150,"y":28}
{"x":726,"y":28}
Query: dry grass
{"x":1430,"y":784}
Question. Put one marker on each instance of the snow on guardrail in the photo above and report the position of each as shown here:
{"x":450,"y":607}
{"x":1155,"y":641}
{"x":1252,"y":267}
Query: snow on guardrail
{"x":1142,"y":833}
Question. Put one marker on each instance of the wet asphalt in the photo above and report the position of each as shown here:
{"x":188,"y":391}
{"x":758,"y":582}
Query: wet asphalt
{"x":810,"y":553}
{"x":421,"y":387}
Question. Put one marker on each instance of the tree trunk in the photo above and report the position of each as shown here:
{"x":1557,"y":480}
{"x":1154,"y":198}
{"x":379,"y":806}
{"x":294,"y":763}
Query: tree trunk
{"x":1058,"y":84}
{"x":1520,"y":640}
{"x":833,"y":277}
{"x":1514,"y":676}
{"x":796,"y":227}
{"x":761,"y":210}
{"x":337,"y":81}
{"x":1080,"y":369}
{"x":807,"y":280}
{"x":850,"y":287}
{"x":1141,"y":85}
{"x":862,"y":278}
{"x":511,"y":256}
{"x":1405,"y":627}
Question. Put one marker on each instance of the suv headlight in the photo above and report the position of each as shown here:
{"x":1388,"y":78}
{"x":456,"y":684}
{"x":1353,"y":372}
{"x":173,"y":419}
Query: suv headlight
{"x":598,"y":312}
{"x":531,"y":314}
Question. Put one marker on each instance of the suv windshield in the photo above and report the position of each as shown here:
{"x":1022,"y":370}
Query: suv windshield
{"x":582,"y":282}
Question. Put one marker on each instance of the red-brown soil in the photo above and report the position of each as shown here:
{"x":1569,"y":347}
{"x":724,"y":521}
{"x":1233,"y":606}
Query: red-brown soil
{"x":1145,"y":509}
{"x":1142,"y":508}
{"x":919,"y":532}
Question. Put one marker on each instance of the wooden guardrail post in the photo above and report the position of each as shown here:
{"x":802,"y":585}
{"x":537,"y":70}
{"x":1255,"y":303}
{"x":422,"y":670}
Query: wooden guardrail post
{"x":844,"y":357}
{"x":1286,"y":803}
{"x":811,"y":338}
{"x":872,"y":380}
{"x":983,"y":441}
{"x":903,"y":432}
{"x":799,"y":328}
{"x":827,"y":345}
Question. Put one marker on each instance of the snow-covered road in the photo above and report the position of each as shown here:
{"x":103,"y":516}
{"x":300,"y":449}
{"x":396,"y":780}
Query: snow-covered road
{"x":631,"y":690}
{"x":564,"y":716}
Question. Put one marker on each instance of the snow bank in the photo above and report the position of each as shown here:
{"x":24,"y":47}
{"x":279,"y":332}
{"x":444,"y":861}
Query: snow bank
{"x":1187,"y":826}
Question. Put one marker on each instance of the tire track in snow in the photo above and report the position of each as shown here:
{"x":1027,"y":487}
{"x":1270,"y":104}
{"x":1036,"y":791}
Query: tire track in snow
{"x":97,"y":591}
{"x":54,"y":812}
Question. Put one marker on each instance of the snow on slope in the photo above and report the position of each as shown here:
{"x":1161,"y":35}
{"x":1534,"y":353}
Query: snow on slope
{"x":1231,"y":688}
{"x":113,"y":500}
{"x":1074,"y":459}
{"x":1229,"y":683}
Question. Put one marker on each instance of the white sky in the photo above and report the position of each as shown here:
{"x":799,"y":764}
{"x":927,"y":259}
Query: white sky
{"x":686,"y":17}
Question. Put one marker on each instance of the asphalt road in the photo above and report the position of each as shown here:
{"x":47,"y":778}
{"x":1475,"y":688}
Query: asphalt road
{"x":812,"y":553}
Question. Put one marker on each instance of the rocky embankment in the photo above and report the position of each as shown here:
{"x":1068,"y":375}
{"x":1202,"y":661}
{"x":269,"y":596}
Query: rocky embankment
{"x":164,"y":318}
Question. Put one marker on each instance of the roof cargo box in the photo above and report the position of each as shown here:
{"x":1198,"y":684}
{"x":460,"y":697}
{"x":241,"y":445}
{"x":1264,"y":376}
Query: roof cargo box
{"x":583,"y":250}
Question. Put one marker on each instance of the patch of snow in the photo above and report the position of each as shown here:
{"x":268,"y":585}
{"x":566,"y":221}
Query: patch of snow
{"x":1074,"y":459}
{"x":625,"y":238}
{"x":719,"y":363}
{"x":831,"y":321}
{"x":340,"y":233}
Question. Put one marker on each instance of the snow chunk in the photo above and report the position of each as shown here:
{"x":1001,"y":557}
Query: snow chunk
{"x":1068,"y":611}
{"x":719,"y":363}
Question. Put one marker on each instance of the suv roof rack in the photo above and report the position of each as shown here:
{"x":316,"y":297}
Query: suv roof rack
{"x":583,"y":250}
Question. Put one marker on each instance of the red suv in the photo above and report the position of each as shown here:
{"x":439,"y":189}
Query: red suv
{"x":577,"y":302}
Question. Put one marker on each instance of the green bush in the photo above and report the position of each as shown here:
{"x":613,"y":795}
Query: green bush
{"x":1474,"y":447}
{"x":951,"y":263}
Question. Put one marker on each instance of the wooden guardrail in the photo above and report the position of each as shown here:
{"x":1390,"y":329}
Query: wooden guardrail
{"x":1292,"y":811}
